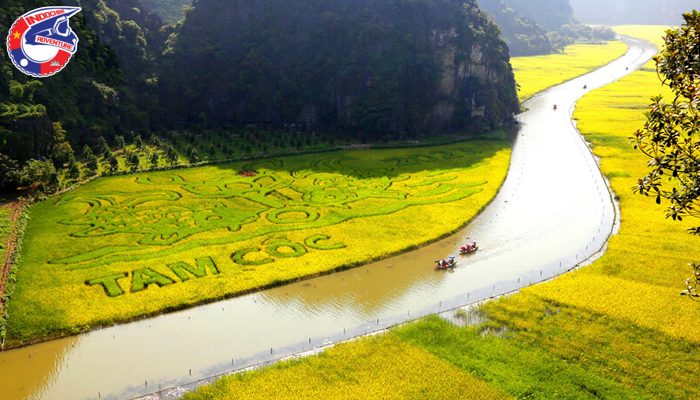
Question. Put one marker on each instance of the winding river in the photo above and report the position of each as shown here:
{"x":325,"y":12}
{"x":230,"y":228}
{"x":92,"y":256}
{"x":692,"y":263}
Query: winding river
{"x":553,"y":212}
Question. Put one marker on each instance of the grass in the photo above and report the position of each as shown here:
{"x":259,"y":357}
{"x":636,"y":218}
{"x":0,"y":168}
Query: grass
{"x":518,"y":368}
{"x":349,"y":371}
{"x":123,"y":247}
{"x":6,"y":227}
{"x":535,"y":74}
{"x":616,"y":329}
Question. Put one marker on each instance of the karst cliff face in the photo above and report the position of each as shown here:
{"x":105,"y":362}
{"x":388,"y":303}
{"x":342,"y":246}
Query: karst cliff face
{"x":388,"y":67}
{"x":471,"y":80}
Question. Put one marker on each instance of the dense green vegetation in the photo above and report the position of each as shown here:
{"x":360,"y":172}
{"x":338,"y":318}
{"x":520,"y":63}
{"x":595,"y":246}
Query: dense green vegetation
{"x":541,"y":27}
{"x":82,"y":97}
{"x":388,"y":69}
{"x":303,"y":73}
{"x":523,"y":35}
{"x":102,"y":93}
{"x":170,"y":11}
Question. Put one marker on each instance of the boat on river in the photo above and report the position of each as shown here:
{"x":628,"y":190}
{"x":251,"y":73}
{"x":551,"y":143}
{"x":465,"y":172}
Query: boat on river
{"x":445,"y":264}
{"x":468,"y":249}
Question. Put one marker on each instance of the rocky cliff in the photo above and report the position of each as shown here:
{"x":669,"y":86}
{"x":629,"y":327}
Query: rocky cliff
{"x":375,"y":68}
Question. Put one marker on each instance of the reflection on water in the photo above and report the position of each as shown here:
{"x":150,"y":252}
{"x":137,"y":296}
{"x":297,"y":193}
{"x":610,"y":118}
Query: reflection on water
{"x":553,"y":211}
{"x":370,"y":290}
{"x":28,"y":374}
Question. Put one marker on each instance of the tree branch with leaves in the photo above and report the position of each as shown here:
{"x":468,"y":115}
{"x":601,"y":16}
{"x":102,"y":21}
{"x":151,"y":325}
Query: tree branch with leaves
{"x":671,"y":134}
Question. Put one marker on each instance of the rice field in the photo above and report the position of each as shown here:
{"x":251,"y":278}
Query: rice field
{"x":125,"y":247}
{"x":616,"y":329}
{"x":351,"y":371}
{"x":534,"y":74}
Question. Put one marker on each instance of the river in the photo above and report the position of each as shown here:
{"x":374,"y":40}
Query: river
{"x":554,"y":211}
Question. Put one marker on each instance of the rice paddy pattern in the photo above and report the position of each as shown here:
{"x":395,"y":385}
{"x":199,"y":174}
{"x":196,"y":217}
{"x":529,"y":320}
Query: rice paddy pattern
{"x":265,"y":198}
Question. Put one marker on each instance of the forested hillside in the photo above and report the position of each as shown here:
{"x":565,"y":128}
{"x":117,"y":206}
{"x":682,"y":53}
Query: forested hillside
{"x":523,"y":35}
{"x":359,"y":69}
{"x":550,"y":14}
{"x":102,"y":92}
{"x":540,"y":26}
{"x":389,"y":68}
{"x":87,"y":97}
{"x":170,"y":11}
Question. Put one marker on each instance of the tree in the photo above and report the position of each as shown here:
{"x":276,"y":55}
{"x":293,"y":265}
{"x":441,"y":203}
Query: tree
{"x":87,"y":152}
{"x":671,"y":135}
{"x":154,"y":159}
{"x":138,"y":142}
{"x":133,"y":160}
{"x":155,"y":141}
{"x":193,"y":156}
{"x":62,"y":152}
{"x":113,"y":163}
{"x":104,"y":147}
{"x":92,"y":164}
{"x":8,"y":173}
{"x":34,"y":171}
{"x":73,"y":169}
{"x":171,"y":154}
{"x":693,"y":284}
{"x":54,"y":180}
{"x":119,"y":142}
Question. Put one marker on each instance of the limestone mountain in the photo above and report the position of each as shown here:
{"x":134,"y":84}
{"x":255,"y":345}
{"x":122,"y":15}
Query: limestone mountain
{"x":372,"y":68}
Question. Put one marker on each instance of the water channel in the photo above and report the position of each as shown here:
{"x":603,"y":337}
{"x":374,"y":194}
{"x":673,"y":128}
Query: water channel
{"x":553,"y":211}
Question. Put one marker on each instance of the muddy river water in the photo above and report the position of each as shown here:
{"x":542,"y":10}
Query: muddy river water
{"x":553,"y":211}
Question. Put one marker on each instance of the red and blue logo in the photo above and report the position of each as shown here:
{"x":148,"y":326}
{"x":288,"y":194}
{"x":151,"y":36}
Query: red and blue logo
{"x":41,"y":42}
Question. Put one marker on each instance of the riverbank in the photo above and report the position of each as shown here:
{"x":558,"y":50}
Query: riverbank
{"x":320,"y":210}
{"x":537,"y":73}
{"x":615,"y":329}
{"x":232,"y":334}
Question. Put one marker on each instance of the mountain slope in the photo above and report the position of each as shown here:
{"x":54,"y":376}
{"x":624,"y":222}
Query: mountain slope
{"x":375,"y":68}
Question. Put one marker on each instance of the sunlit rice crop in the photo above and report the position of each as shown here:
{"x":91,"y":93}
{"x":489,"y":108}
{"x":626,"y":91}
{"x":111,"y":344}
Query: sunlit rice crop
{"x":615,"y":329}
{"x":381,"y":367}
{"x":534,"y":74}
{"x":123,"y":247}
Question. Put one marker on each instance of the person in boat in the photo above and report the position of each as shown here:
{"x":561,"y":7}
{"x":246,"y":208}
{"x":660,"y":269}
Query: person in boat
{"x":585,"y":86}
{"x":474,"y":245}
{"x":555,"y":106}
{"x":444,"y":263}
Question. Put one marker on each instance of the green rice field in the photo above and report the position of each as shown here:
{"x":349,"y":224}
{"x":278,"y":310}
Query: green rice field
{"x":124,"y":247}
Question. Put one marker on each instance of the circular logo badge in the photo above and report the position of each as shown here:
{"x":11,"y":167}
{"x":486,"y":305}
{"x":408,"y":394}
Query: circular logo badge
{"x":40,"y":43}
